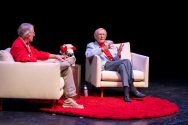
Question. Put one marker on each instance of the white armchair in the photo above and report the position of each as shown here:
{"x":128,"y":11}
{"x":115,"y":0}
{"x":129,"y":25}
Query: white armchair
{"x":103,"y":79}
{"x":29,"y":80}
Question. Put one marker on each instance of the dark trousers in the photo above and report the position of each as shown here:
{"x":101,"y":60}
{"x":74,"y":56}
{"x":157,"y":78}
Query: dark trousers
{"x":124,"y":68}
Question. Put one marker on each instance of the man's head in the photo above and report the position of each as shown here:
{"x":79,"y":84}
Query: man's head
{"x":26,"y":31}
{"x":100,"y":35}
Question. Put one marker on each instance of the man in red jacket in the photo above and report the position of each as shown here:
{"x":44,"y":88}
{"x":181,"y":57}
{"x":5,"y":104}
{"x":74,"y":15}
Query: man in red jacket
{"x":22,"y":51}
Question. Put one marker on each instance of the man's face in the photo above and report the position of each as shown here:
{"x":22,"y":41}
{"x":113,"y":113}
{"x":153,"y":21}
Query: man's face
{"x":31,"y":35}
{"x":101,"y":35}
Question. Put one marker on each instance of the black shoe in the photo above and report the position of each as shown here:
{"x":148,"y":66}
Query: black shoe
{"x":126,"y":94}
{"x":138,"y":94}
{"x":127,"y":99}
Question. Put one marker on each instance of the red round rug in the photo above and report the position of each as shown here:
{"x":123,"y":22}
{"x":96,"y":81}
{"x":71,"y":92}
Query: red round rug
{"x":116,"y":108}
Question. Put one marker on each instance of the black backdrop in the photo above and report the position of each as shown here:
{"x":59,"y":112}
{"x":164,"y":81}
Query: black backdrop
{"x":154,"y":29}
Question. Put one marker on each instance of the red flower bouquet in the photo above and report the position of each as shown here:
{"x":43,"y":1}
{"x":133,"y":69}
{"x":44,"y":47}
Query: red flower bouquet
{"x":67,"y":49}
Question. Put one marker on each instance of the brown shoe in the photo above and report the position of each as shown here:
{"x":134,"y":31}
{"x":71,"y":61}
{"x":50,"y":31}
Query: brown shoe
{"x":71,"y":103}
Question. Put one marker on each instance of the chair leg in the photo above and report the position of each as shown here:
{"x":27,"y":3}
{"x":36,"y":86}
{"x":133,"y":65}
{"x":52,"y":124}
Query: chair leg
{"x":54,"y":102}
{"x":1,"y":104}
{"x":102,"y":91}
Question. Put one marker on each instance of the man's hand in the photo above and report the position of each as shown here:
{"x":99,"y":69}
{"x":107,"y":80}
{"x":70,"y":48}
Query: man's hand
{"x":119,"y":49}
{"x":61,"y":57}
{"x":104,"y":48}
{"x":108,"y":46}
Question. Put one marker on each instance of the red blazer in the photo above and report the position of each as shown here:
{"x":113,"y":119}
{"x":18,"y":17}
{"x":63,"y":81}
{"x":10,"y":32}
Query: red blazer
{"x":21,"y":53}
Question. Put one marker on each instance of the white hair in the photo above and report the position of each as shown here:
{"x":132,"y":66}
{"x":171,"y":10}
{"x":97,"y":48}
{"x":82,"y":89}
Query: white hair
{"x":24,"y":29}
{"x":96,"y":32}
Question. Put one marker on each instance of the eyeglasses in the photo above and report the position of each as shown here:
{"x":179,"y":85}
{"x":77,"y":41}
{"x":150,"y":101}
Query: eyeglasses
{"x":32,"y":32}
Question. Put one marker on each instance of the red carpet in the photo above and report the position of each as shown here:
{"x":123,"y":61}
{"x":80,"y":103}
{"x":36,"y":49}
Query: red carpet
{"x":116,"y":108}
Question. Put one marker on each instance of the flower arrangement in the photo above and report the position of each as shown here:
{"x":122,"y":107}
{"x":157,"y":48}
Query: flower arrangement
{"x":67,"y":49}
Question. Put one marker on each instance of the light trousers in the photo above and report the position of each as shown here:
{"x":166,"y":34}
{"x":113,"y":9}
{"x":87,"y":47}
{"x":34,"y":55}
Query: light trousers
{"x":67,"y":74}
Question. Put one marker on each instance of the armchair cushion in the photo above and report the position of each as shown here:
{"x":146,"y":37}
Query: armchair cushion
{"x":114,"y":76}
{"x":5,"y":55}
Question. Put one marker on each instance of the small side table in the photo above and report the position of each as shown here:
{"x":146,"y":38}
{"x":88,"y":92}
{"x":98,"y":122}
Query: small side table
{"x":77,"y":77}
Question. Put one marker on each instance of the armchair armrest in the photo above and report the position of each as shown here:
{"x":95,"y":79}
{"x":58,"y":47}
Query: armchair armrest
{"x":141,"y":63}
{"x":93,"y":70}
{"x":87,"y":70}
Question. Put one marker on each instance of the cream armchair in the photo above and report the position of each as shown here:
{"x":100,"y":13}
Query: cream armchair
{"x":29,"y":80}
{"x":103,"y":79}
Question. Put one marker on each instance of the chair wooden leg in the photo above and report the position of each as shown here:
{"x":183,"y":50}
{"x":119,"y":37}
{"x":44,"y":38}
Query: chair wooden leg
{"x":1,"y":104}
{"x":102,"y":91}
{"x":54,"y":102}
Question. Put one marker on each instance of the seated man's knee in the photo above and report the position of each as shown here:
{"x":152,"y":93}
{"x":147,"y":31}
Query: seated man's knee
{"x":71,"y":60}
{"x":126,"y":61}
{"x":121,"y":67}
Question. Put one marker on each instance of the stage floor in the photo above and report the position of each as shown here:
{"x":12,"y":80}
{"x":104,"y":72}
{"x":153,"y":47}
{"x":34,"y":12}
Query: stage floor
{"x":17,"y":111}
